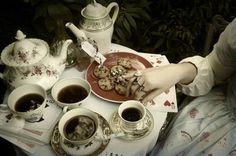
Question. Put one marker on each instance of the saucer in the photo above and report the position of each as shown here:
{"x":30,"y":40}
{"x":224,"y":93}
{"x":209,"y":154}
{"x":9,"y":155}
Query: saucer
{"x":94,"y":147}
{"x":148,"y":122}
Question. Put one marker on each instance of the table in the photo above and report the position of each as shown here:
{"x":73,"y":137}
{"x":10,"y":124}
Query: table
{"x":116,"y":146}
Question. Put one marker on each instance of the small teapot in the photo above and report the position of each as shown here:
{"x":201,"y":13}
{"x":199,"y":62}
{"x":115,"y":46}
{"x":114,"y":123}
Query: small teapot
{"x":28,"y":60}
{"x":97,"y":24}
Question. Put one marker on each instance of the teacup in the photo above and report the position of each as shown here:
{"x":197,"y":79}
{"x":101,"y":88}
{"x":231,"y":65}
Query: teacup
{"x":70,"y":93}
{"x":132,"y":114}
{"x":28,"y":102}
{"x":78,"y":126}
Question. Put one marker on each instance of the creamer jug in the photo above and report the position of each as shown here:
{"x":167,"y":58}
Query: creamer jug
{"x":98,"y":25}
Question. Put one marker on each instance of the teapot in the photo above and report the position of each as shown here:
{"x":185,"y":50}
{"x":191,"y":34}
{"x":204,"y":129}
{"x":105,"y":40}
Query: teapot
{"x":97,"y":24}
{"x":28,"y":60}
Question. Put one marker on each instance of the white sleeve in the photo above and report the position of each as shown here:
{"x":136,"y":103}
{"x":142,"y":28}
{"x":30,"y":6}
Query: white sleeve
{"x":216,"y":67}
{"x":223,"y":57}
{"x":204,"y":79}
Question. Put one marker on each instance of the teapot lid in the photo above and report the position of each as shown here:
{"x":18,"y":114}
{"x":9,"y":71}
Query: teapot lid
{"x":24,"y":52}
{"x":94,"y":11}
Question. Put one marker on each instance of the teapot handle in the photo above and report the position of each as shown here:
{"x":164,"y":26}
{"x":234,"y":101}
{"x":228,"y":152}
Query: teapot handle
{"x":116,"y":11}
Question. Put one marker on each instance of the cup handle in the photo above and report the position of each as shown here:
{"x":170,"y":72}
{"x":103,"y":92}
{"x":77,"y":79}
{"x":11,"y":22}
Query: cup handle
{"x":116,"y":11}
{"x":142,"y":128}
{"x":65,"y":109}
{"x":16,"y":122}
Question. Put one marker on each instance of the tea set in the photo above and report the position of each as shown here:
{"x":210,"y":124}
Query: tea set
{"x":132,"y":121}
{"x":28,"y":60}
{"x":97,"y":24}
{"x":31,"y":69}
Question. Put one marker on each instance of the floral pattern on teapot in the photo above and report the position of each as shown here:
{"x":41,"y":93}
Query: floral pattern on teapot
{"x":23,"y":55}
{"x":28,"y":60}
{"x":33,"y":71}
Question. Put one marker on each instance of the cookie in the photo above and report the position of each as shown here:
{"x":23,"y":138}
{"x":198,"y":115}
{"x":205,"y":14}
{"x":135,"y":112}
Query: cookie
{"x":125,"y":62}
{"x":120,"y":89}
{"x":101,"y":72}
{"x":117,"y":70}
{"x":106,"y":84}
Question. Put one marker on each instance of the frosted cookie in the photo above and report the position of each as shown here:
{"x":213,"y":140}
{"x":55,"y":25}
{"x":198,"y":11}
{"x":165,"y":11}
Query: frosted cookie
{"x":120,"y":89}
{"x":106,"y":84}
{"x":118,"y":70}
{"x":125,"y":62}
{"x":101,"y":72}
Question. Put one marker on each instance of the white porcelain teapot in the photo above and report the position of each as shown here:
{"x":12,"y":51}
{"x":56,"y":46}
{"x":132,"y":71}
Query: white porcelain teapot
{"x":97,"y":24}
{"x":28,"y":60}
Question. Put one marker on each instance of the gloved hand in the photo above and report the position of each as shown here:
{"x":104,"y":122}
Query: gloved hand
{"x":148,"y":83}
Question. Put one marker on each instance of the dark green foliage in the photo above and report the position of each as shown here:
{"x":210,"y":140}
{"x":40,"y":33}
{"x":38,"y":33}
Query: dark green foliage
{"x":180,"y":27}
{"x":176,"y":28}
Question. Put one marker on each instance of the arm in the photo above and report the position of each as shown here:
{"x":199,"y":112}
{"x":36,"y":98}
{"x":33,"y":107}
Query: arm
{"x":194,"y":75}
{"x":156,"y":80}
{"x":223,"y":57}
{"x":219,"y":65}
{"x":188,"y":72}
{"x":183,"y":73}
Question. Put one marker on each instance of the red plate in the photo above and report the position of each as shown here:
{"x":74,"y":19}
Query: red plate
{"x":111,"y":60}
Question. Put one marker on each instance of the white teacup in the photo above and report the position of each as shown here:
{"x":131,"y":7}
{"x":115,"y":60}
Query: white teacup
{"x":132,"y":114}
{"x":70,"y":93}
{"x":78,"y":126}
{"x":28,"y":102}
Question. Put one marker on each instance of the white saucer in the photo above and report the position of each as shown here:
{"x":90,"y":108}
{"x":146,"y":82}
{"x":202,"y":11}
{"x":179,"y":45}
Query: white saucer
{"x":95,"y":147}
{"x":148,"y":123}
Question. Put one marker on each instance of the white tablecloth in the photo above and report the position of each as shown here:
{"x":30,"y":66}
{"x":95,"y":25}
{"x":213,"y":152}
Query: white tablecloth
{"x":116,"y":146}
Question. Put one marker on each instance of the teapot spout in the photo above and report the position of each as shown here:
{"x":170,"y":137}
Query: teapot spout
{"x":76,"y":31}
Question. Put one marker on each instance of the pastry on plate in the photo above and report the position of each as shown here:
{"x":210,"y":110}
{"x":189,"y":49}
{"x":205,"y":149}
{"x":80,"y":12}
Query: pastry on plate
{"x":118,"y":70}
{"x":125,"y":62}
{"x":106,"y":84}
{"x":120,"y":89}
{"x":101,"y":71}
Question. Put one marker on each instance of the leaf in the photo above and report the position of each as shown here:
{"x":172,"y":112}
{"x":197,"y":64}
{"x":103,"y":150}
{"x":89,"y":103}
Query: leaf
{"x":145,"y":15}
{"x":157,"y":34}
{"x":127,"y":26}
{"x":139,"y":13}
{"x":159,"y":43}
{"x":134,"y":15}
{"x":131,"y":21}
{"x":120,"y":33}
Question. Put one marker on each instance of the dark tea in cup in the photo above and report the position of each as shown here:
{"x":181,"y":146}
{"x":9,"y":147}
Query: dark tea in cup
{"x":29,"y":102}
{"x":80,"y":127}
{"x":72,"y":94}
{"x":131,"y":114}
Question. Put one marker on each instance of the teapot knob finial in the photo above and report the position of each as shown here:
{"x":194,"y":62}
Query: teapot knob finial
{"x":20,"y":35}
